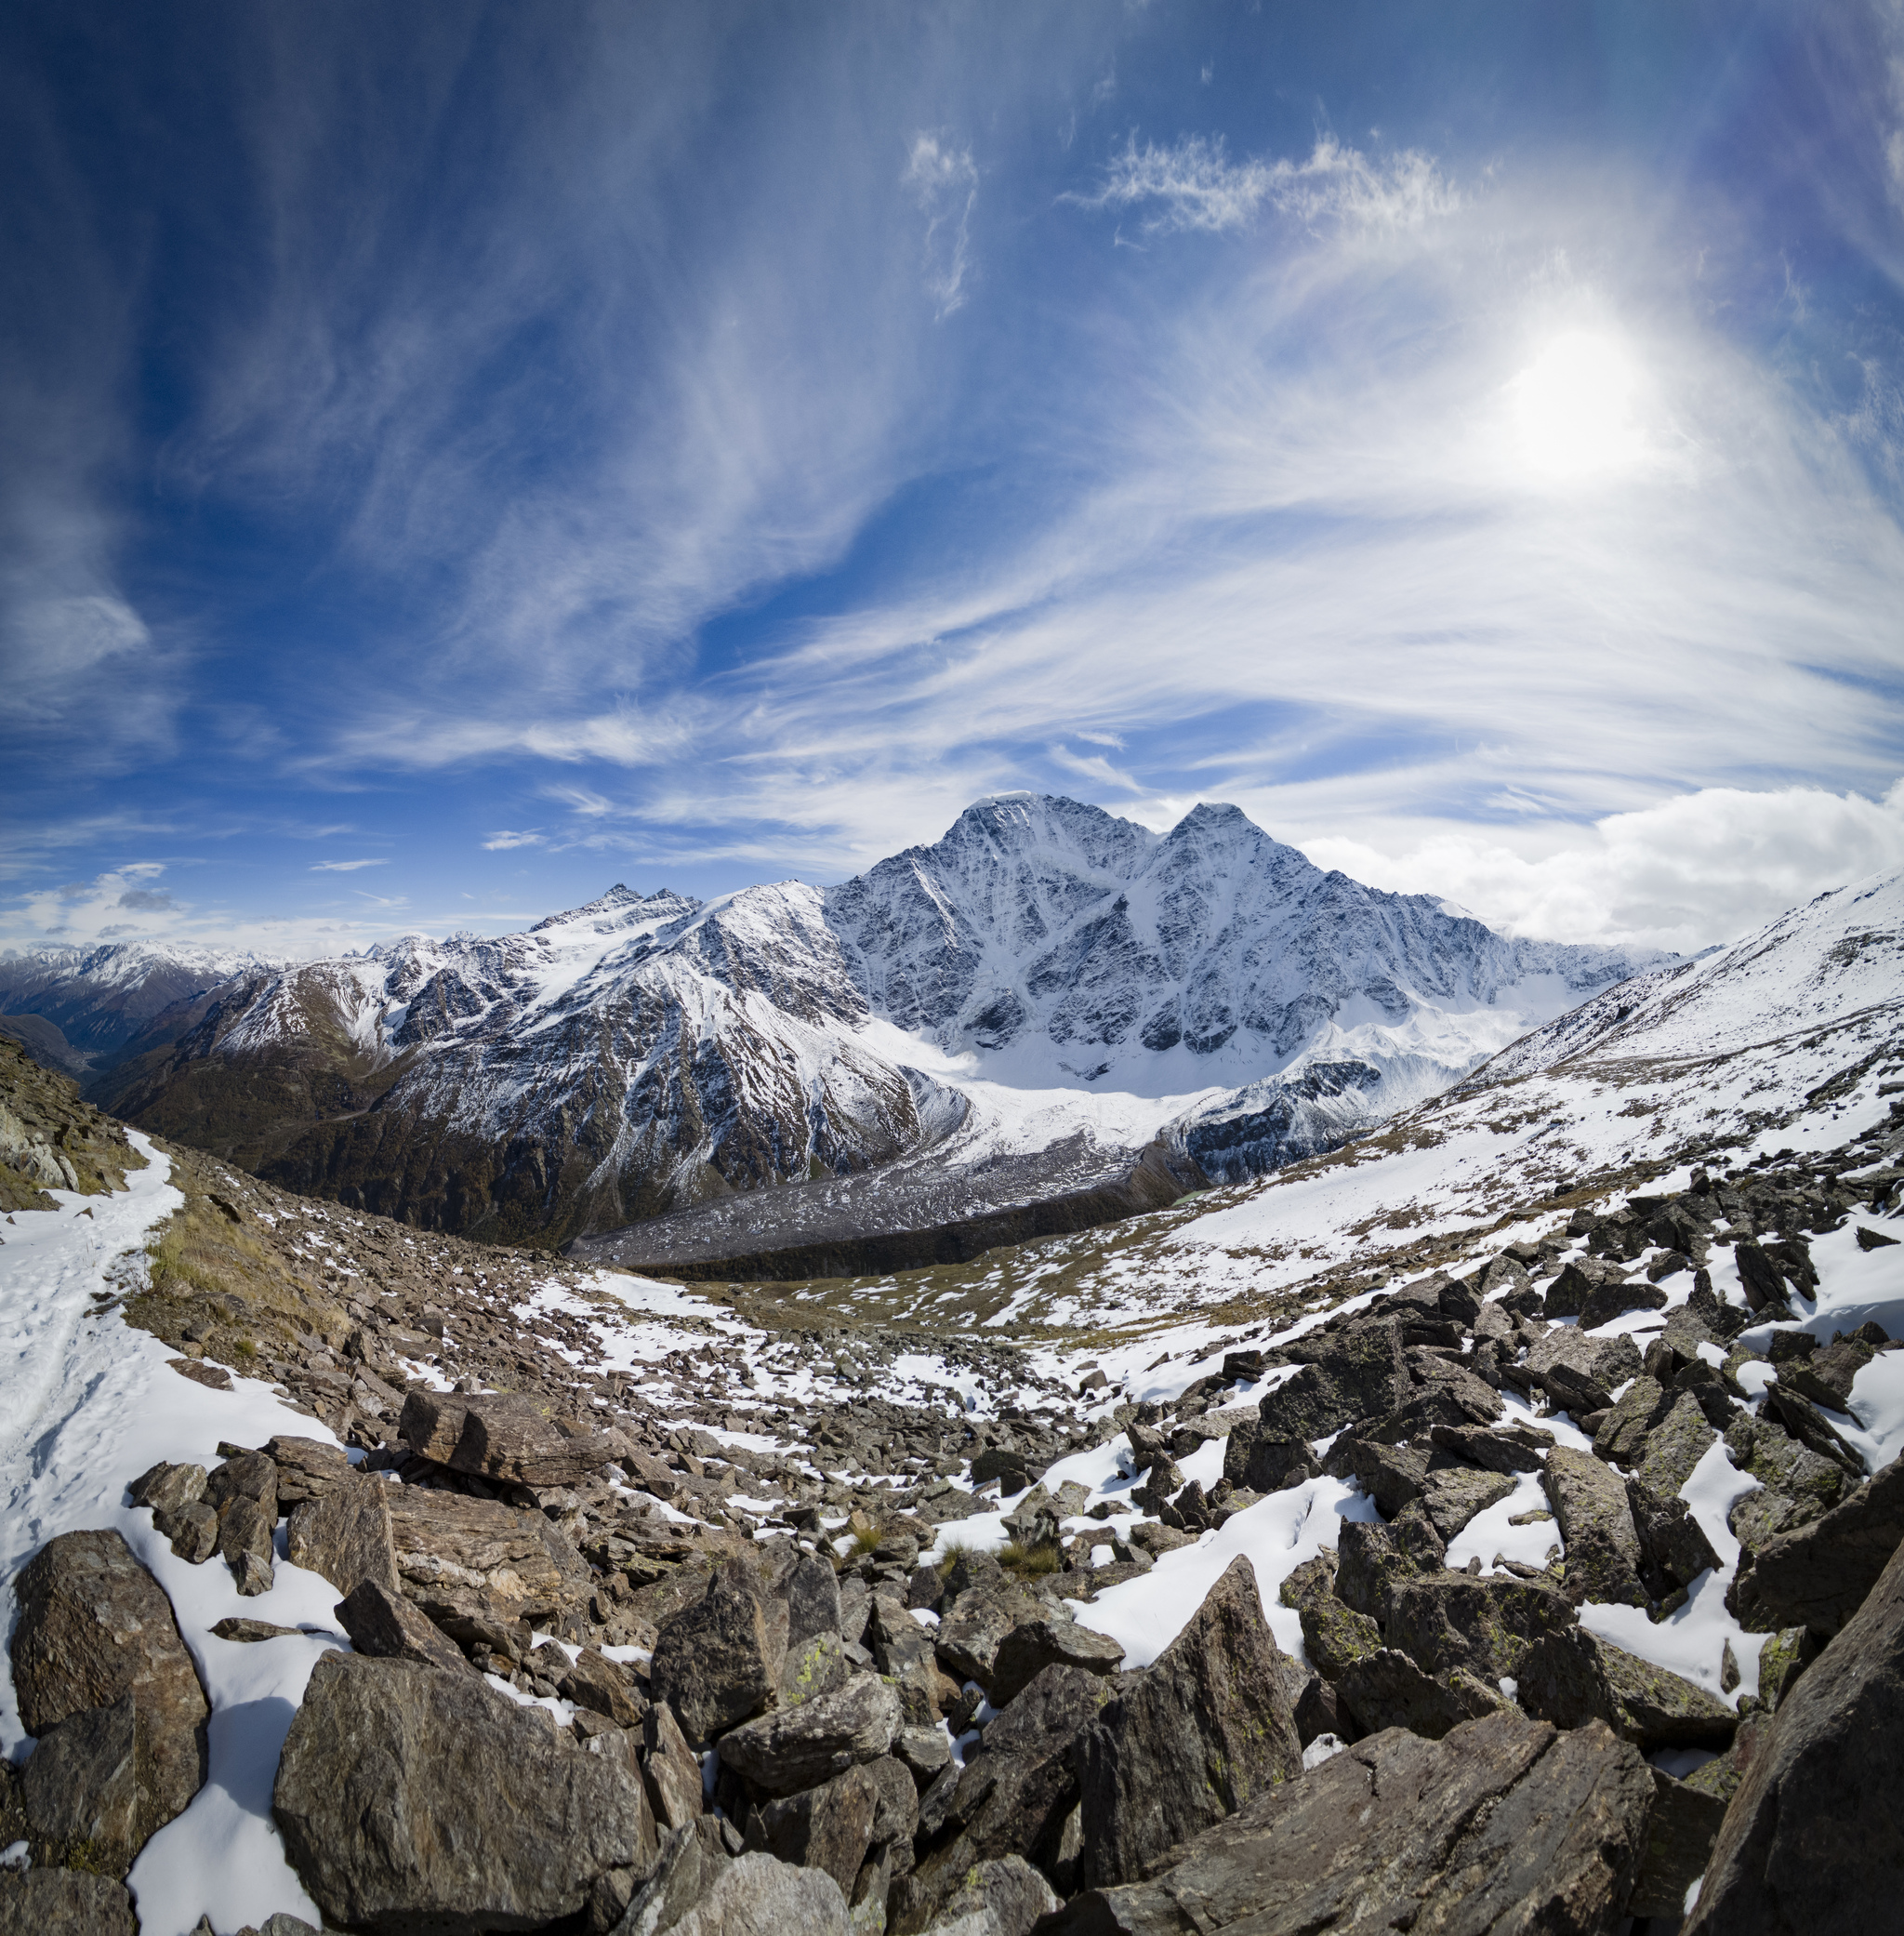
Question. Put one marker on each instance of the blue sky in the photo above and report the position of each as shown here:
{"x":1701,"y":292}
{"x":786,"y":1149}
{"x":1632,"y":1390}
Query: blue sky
{"x":453,"y":459}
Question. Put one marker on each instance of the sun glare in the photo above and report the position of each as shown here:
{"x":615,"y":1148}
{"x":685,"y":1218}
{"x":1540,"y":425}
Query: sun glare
{"x":1573,"y":407}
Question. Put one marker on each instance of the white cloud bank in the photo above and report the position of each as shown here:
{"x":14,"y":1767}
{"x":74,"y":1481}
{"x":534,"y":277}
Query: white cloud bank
{"x":1699,"y":869}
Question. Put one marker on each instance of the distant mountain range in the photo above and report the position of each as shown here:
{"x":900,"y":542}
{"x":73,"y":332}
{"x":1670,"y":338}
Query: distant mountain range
{"x":1047,"y":995}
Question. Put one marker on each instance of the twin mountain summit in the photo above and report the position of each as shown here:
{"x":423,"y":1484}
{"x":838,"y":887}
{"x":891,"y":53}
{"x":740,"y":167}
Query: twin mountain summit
{"x":1050,"y":1016}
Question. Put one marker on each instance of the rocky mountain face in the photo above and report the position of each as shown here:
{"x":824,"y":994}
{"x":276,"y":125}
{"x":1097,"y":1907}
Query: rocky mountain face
{"x":84,"y":1010}
{"x":1045,"y":974}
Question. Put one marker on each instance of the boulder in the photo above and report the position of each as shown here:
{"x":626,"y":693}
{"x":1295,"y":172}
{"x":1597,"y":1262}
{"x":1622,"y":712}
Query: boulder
{"x":307,"y":1469}
{"x":1385,"y":1689}
{"x":64,"y":1902}
{"x":1018,"y":1787}
{"x":1573,"y":1677}
{"x":1680,"y":1833}
{"x":1621,"y":1437}
{"x":717,"y":1662}
{"x":1373,"y":1561}
{"x":1603,"y":1547}
{"x":800,"y":1747}
{"x":81,"y":1793}
{"x":384,"y":1625}
{"x":246,"y":1476}
{"x":1813,"y":1838}
{"x":1333,"y":1635}
{"x":1453,"y":1494}
{"x":1481,"y":1626}
{"x":1029,"y":1649}
{"x":499,"y":1436}
{"x":810,"y":1589}
{"x":1360,"y":1374}
{"x":345,"y":1533}
{"x":1202,"y":1730}
{"x":409,"y":1797}
{"x":1001,"y":1897}
{"x":1675,"y":1446}
{"x":1580,"y":1372}
{"x":1614,"y":1297}
{"x":1503,"y":1825}
{"x":671,"y":1770}
{"x":94,"y":1627}
{"x":759,"y":1896}
{"x":593,"y":1681}
{"x":829,"y":1827}
{"x":1818,"y":1575}
{"x":973,"y":1624}
{"x":447,"y":1543}
{"x":193,"y":1530}
{"x":168,"y":1489}
{"x":1673,"y":1547}
{"x":1826,"y":1377}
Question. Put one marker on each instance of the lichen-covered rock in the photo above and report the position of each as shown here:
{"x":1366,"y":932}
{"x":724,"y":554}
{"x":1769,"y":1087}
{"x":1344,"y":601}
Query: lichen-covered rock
{"x":1453,"y":1494}
{"x":1374,"y":1561}
{"x":413,"y":1799}
{"x":717,"y":1662}
{"x":1333,"y":1635}
{"x":1203,"y":1730}
{"x":1813,"y":1838}
{"x":1603,"y":1545}
{"x":1385,"y":1689}
{"x":1029,"y":1649}
{"x":1573,"y":1677}
{"x":800,"y":1747}
{"x":94,"y":1627}
{"x":827,"y":1827}
{"x":1675,"y":1446}
{"x":384,"y":1625}
{"x":1502,"y":1825}
{"x":1818,"y":1575}
{"x":1483,"y":1625}
{"x":345,"y":1534}
{"x":64,"y":1902}
{"x":1359,"y":1373}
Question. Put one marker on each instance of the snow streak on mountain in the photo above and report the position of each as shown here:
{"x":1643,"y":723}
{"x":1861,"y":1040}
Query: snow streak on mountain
{"x":1047,"y":977}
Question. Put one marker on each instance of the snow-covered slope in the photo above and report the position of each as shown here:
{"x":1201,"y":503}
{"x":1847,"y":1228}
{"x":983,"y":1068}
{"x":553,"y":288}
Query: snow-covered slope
{"x":1046,"y":972}
{"x":103,"y":998}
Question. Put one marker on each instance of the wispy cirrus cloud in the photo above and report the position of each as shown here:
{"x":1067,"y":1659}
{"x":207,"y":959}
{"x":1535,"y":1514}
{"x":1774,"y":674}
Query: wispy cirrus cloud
{"x":345,"y":867}
{"x":503,"y":841}
{"x":944,"y":181}
{"x":1195,"y":185}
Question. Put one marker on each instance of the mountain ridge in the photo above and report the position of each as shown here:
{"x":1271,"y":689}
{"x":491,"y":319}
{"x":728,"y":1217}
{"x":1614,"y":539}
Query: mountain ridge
{"x":1044,"y":971}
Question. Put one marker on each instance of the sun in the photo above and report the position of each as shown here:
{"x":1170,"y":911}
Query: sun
{"x":1574,"y":408}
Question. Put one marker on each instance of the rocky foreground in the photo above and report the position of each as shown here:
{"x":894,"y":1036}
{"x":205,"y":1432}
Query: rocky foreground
{"x":644,"y":1618}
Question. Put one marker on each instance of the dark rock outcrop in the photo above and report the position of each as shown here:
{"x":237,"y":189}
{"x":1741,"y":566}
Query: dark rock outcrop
{"x":1205,"y":1729}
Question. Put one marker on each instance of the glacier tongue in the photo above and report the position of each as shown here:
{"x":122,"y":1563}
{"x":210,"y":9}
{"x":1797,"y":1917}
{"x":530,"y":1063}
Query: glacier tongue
{"x":1046,"y":975}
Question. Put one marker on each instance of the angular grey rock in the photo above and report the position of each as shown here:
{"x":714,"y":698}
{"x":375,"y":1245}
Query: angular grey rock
{"x":1334,"y":1636}
{"x":1254,"y":1460}
{"x":1603,"y":1545}
{"x":690,"y":1865}
{"x":812,"y":1592}
{"x":593,"y":1681}
{"x":1614,"y":1297}
{"x":1028,"y":1650}
{"x":409,"y":1797}
{"x":1385,"y":1689}
{"x":384,"y":1625}
{"x":1202,"y":1730}
{"x":95,"y":1627}
{"x":1453,"y":1494}
{"x":447,"y":1544}
{"x":1573,"y":1677}
{"x":193,"y":1530}
{"x":1373,"y":1561}
{"x":168,"y":1489}
{"x":671,"y":1770}
{"x":1818,"y":1575}
{"x":1579,"y":1373}
{"x":1502,"y":1825}
{"x":1813,"y":1838}
{"x":1621,"y":1437}
{"x":758,"y":1896}
{"x":345,"y":1534}
{"x":1680,"y":1833}
{"x":499,"y":1436}
{"x":307,"y":1469}
{"x":247,"y":1476}
{"x":64,"y":1902}
{"x":1481,"y":1626}
{"x":829,"y":1827}
{"x":784,"y":1752}
{"x":1018,"y":1787}
{"x":1001,"y":1897}
{"x":715,"y":1662}
{"x":1673,"y":1547}
{"x":82,"y":1788}
{"x":1360,"y":1374}
{"x":974,"y":1624}
{"x":1675,"y":1446}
